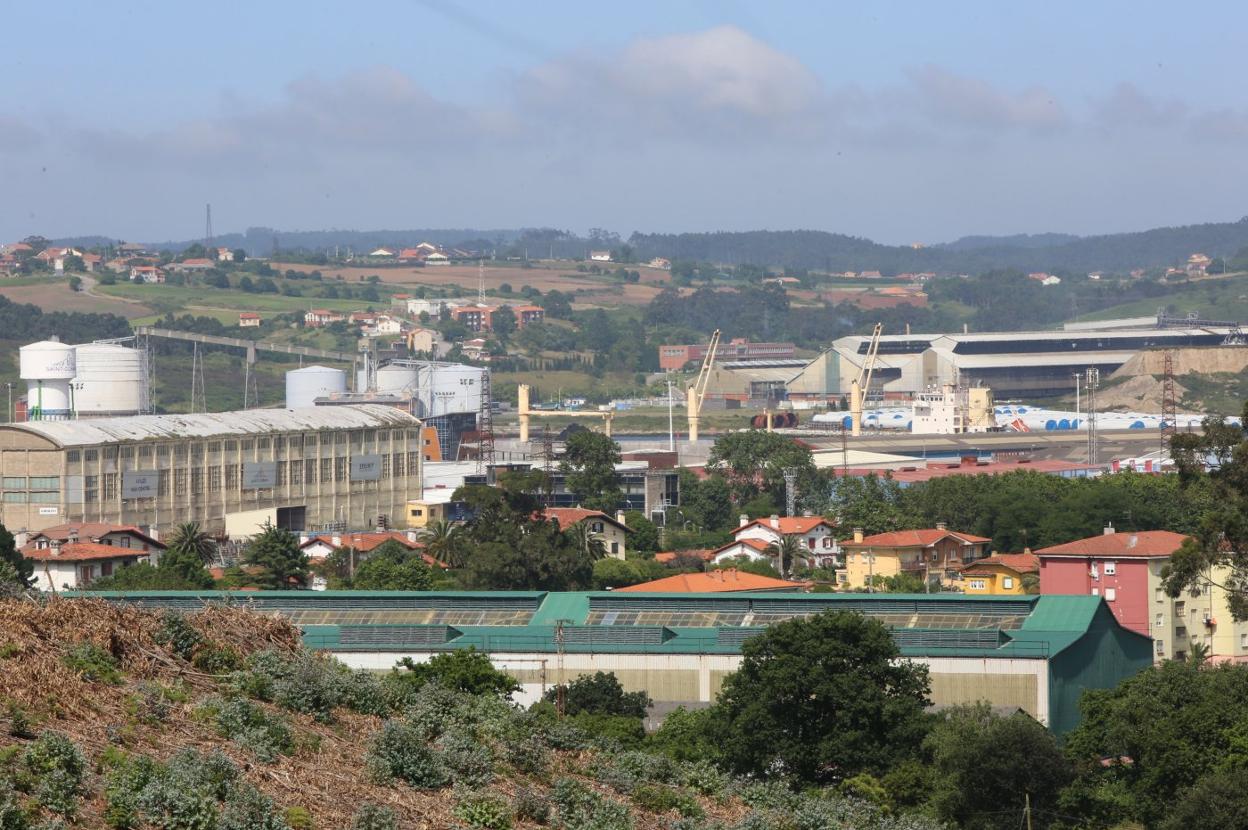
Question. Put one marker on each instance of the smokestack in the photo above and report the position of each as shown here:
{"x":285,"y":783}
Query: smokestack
{"x":941,"y":526}
{"x":619,"y":517}
{"x":56,"y":547}
{"x":1109,"y":529}
{"x":858,"y":535}
{"x":743,"y":520}
{"x":775,"y":522}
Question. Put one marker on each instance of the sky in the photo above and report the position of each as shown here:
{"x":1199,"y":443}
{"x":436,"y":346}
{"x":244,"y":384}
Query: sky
{"x":898,"y":121}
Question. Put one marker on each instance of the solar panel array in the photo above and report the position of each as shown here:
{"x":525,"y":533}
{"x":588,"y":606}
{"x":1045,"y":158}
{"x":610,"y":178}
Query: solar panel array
{"x":410,"y":616}
{"x":376,"y":635}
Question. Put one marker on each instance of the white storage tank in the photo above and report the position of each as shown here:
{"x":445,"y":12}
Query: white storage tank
{"x":48,"y":367}
{"x":398,"y":380}
{"x":304,"y":386}
{"x":111,"y":380}
{"x":451,"y":387}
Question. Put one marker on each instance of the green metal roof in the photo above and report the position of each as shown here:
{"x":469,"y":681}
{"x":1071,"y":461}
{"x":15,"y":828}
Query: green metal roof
{"x":931,"y":625}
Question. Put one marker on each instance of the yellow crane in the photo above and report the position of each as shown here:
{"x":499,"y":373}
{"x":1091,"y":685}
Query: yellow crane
{"x":860,"y":385}
{"x":525,"y":410}
{"x":696,"y":393}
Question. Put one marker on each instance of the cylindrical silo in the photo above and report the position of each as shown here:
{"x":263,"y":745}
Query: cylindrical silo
{"x":304,"y":386}
{"x":452,"y":387}
{"x":48,"y":367}
{"x":397,"y":379}
{"x":110,"y":380}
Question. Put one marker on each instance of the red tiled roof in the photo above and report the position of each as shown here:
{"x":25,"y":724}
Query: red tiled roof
{"x":569,"y":516}
{"x":364,"y":542}
{"x":922,"y":538}
{"x":723,"y":581}
{"x":1145,"y":544}
{"x":83,"y":551}
{"x":248,"y":315}
{"x":789,"y":524}
{"x":759,"y":545}
{"x":89,"y":532}
{"x":1022,"y":563}
{"x":705,"y":554}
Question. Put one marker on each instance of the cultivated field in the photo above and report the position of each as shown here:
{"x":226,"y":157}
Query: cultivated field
{"x":56,"y":296}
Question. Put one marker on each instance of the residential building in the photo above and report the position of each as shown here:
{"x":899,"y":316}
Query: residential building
{"x":724,"y":581}
{"x":193,"y":264}
{"x":248,"y":319}
{"x":1124,"y":568}
{"x":229,"y":471}
{"x":76,"y":565}
{"x":474,"y":317}
{"x":752,"y":539}
{"x":317,"y":317}
{"x":935,"y":555}
{"x":526,"y":314}
{"x":147,"y":273}
{"x":739,"y":349}
{"x":382,"y":253}
{"x":437,"y":258}
{"x":1000,"y":574}
{"x":434,"y":308}
{"x":1038,"y":654}
{"x":128,"y":537}
{"x":612,"y":531}
{"x":600,"y":256}
{"x":660,"y":262}
{"x":225,"y":255}
{"x":423,"y":341}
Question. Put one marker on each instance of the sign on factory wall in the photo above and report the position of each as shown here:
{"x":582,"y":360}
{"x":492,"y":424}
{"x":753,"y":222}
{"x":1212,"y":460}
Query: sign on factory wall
{"x":139,"y":484}
{"x":259,"y":475}
{"x":365,"y":467}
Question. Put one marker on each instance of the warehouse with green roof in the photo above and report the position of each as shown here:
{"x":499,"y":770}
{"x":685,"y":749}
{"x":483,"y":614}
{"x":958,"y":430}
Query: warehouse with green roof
{"x":1034,"y":653}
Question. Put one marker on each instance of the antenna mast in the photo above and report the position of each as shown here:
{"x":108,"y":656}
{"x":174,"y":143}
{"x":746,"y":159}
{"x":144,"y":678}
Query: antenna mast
{"x":1169,"y":404}
{"x":208,"y":230}
{"x":1092,"y":379}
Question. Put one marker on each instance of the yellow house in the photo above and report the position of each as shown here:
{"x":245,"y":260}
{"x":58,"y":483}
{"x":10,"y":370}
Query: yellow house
{"x":932,"y":554}
{"x":612,"y":531}
{"x":1000,"y":574}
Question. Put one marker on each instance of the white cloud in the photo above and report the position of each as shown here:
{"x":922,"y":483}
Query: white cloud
{"x":956,"y":100}
{"x":1128,"y":106}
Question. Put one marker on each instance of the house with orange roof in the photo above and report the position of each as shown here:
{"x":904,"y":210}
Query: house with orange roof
{"x":1000,"y":574}
{"x":74,"y":565}
{"x":752,"y":538}
{"x":248,"y":319}
{"x":612,"y":531}
{"x":933,"y":554}
{"x":316,"y":317}
{"x":103,"y":533}
{"x":146,"y":273}
{"x":728,"y":580}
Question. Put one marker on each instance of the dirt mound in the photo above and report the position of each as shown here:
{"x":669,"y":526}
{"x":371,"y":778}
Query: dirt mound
{"x":1138,"y":393}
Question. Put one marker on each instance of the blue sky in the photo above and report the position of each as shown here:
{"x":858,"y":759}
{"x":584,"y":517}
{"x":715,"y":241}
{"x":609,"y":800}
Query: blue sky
{"x":897,"y":121}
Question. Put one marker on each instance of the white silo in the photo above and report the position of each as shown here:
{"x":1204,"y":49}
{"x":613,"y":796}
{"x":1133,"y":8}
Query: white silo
{"x":48,"y":368}
{"x":304,"y":386}
{"x":451,"y":387}
{"x":397,"y":379}
{"x":110,"y":380}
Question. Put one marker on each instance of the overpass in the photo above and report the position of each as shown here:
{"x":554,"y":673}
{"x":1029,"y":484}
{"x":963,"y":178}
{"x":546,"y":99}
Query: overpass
{"x":250,"y":346}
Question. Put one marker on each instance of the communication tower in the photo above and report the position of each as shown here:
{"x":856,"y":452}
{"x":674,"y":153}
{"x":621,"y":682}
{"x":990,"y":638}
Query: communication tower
{"x":1169,"y":405}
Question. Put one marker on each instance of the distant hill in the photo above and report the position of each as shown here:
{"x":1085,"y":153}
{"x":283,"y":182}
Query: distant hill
{"x":1018,"y":240}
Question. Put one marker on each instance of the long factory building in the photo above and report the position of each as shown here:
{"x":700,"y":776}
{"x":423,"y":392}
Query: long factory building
{"x":1034,"y":653}
{"x":302,"y":469}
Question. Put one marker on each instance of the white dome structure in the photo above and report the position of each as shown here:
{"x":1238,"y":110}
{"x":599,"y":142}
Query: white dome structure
{"x":304,"y":386}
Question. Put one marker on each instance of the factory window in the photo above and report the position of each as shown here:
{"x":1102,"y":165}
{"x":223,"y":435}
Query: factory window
{"x":109,"y":490}
{"x":15,"y":482}
{"x":413,"y":463}
{"x":214,"y":479}
{"x":45,"y":498}
{"x":413,"y":435}
{"x":294,"y":442}
{"x":310,"y":440}
{"x":281,"y":475}
{"x":249,"y":444}
{"x":162,"y":483}
{"x":127,"y":452}
{"x":327,"y":470}
{"x":385,"y":466}
{"x":296,"y":472}
{"x":92,"y":455}
{"x":309,"y":473}
{"x":340,"y":438}
{"x":109,"y":453}
{"x":370,"y":436}
{"x":91,"y":488}
{"x":179,"y":482}
{"x":262,"y":443}
{"x":181,"y":452}
{"x":73,"y":456}
{"x":45,"y":482}
{"x":398,"y":465}
{"x":340,"y":469}
{"x":231,"y":477}
{"x":197,"y":452}
{"x":197,"y":481}
{"x":231,"y":446}
{"x":146,"y":453}
{"x":396,"y":435}
{"x":15,"y":498}
{"x":215,"y":446}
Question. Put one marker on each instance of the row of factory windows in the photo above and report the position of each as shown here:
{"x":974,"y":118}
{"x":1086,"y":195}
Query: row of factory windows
{"x":192,"y":482}
{"x":354,"y":438}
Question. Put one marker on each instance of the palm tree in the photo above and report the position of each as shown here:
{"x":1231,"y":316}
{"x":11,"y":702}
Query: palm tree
{"x":442,"y":542}
{"x":588,"y":542}
{"x":189,"y":541}
{"x":786,"y":552}
{"x":1198,"y":653}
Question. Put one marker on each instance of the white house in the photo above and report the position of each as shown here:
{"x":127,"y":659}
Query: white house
{"x":74,"y":565}
{"x":437,"y":258}
{"x":382,"y":252}
{"x":751,"y":538}
{"x":600,"y":256}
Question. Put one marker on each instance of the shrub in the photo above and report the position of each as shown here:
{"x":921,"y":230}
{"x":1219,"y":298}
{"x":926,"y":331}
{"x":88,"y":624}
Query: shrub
{"x":532,"y":805}
{"x":177,"y":634}
{"x":215,"y":659}
{"x":122,"y":788}
{"x":249,"y":726}
{"x":470,"y":763}
{"x":373,"y":817}
{"x":399,"y":751}
{"x":298,"y":818}
{"x":658,"y":798}
{"x":311,"y":683}
{"x":484,"y":810}
{"x":528,"y":755}
{"x":580,"y":808}
{"x":93,"y":664}
{"x":20,"y":725}
{"x":183,"y":794}
{"x":704,"y":778}
{"x":57,"y":768}
{"x":246,"y":808}
{"x":601,"y":694}
{"x":466,"y":671}
{"x":12,"y":816}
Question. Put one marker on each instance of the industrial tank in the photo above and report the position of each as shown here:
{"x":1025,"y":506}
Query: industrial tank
{"x":451,"y":387}
{"x":110,"y":380}
{"x":397,"y":379}
{"x":304,"y":386}
{"x":48,"y":367}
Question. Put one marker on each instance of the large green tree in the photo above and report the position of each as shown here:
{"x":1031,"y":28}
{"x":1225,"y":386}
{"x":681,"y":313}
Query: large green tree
{"x":821,"y":699}
{"x":985,"y":769}
{"x":392,"y":567}
{"x":704,"y":503}
{"x":589,"y":467}
{"x":276,"y":551}
{"x":23,"y":569}
{"x":753,"y":463}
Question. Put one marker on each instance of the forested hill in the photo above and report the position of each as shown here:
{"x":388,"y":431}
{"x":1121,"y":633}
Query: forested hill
{"x":837,"y":252}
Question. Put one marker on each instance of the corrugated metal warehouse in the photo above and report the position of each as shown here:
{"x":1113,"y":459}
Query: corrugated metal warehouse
{"x":299,"y":468}
{"x":1035,"y":653}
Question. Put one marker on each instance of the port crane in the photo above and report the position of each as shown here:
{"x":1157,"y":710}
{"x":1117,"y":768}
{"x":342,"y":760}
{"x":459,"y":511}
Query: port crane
{"x":860,"y":385}
{"x":696,"y":393}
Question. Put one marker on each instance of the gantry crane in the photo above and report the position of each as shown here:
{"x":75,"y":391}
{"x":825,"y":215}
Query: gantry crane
{"x":860,"y":385}
{"x":696,"y":392}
